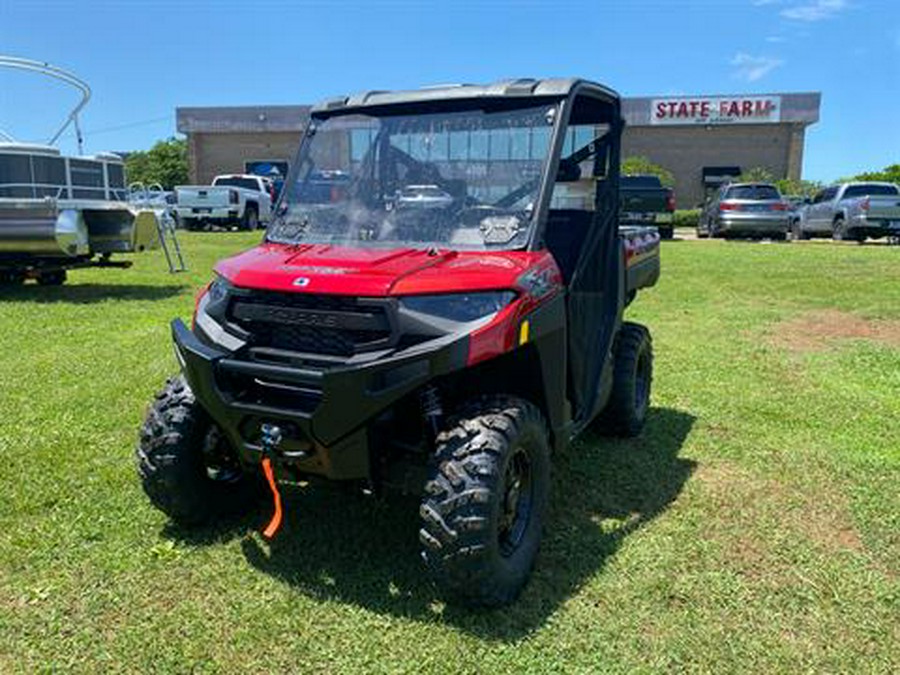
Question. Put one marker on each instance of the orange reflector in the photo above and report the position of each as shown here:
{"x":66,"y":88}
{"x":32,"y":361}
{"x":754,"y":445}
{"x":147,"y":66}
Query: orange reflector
{"x":523,"y":332}
{"x":275,"y":523}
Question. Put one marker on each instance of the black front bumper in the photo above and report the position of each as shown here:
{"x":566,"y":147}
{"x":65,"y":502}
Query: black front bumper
{"x":323,"y":410}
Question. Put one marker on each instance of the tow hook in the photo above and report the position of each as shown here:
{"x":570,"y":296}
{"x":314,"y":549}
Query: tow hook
{"x":271,"y":439}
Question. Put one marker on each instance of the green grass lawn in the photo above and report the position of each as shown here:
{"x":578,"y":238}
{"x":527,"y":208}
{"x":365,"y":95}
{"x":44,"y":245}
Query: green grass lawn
{"x":755,"y":526}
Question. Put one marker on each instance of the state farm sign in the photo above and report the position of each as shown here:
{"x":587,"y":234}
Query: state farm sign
{"x":719,"y":110}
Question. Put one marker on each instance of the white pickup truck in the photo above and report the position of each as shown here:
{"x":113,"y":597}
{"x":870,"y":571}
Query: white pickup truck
{"x":232,"y":199}
{"x":851,"y":211}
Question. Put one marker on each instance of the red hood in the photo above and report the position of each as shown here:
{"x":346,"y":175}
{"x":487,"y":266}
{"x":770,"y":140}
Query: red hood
{"x":374,"y":272}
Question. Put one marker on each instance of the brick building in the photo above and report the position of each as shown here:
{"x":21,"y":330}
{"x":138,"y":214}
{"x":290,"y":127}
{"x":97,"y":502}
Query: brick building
{"x":702,"y":140}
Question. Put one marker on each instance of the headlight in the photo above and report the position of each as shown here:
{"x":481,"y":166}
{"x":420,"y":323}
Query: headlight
{"x":219,"y":289}
{"x":215,"y":300}
{"x":209,"y":317}
{"x":461,"y":307}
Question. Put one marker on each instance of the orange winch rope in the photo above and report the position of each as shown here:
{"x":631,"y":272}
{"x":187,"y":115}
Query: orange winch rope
{"x":275,"y":523}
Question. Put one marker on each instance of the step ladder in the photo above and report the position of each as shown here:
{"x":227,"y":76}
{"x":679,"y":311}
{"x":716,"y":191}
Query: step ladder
{"x":168,"y":241}
{"x":153,"y":198}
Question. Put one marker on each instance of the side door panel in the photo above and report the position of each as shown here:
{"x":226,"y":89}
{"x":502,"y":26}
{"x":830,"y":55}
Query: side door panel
{"x":595,"y":291}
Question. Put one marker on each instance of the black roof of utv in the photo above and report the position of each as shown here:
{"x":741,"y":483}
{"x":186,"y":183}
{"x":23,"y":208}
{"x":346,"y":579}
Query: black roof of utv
{"x":503,"y":89}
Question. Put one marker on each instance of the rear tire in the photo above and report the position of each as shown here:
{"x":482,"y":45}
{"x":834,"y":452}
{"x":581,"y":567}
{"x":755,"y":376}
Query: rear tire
{"x":626,"y":411}
{"x":250,"y":220}
{"x":485,"y":499}
{"x":187,"y":468}
{"x":840,"y":233}
{"x":666,"y":232}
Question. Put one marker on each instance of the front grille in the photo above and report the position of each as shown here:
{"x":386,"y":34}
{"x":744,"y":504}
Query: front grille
{"x":315,"y":324}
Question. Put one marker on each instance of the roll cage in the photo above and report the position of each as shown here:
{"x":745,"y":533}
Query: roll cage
{"x":595,"y":276}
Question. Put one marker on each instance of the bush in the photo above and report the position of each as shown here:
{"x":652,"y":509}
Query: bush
{"x":686,"y":217}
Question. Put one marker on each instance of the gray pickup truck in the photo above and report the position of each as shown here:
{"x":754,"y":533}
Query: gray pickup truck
{"x":851,"y":211}
{"x":240,"y":199}
{"x":644,"y":200}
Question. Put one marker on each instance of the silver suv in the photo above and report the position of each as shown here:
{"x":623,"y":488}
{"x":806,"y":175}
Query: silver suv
{"x":753,"y":210}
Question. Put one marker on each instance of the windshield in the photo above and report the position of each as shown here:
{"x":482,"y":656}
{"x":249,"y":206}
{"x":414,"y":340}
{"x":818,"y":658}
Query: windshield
{"x":465,"y":179}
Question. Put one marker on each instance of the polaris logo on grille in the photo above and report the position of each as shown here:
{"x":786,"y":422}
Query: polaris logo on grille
{"x":300,"y":281}
{"x":286,"y":315}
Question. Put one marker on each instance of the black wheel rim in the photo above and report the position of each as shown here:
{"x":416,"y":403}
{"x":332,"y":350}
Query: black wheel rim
{"x":517,"y":501}
{"x":218,"y":462}
{"x":642,"y":383}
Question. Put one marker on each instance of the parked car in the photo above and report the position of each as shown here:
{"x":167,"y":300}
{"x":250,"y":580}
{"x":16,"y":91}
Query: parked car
{"x":233,"y":199}
{"x":851,"y":211}
{"x":445,"y":360}
{"x":645,"y":200}
{"x":423,"y":197}
{"x":753,"y":210}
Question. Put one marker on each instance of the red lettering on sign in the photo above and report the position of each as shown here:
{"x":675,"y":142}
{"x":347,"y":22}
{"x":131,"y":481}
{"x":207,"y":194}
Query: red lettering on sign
{"x":764,"y":108}
{"x":722,"y":110}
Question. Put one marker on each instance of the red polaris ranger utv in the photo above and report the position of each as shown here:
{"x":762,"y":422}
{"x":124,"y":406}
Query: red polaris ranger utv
{"x":447,"y":319}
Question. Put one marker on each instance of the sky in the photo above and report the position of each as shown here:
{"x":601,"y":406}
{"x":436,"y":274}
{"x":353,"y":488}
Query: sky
{"x":144,"y":59}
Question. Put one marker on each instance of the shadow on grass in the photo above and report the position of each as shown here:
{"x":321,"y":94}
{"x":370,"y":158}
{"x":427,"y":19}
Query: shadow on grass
{"x":82,"y":294}
{"x":365,"y":551}
{"x":220,"y":532}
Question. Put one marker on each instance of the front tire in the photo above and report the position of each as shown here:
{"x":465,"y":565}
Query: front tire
{"x":485,"y":499}
{"x":186,"y":466}
{"x":626,"y":411}
{"x":11,"y":278}
{"x":54,"y":278}
{"x":797,"y":232}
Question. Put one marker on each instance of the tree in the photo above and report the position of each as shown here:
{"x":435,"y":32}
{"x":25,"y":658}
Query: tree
{"x":890,"y":174}
{"x":642,"y":165}
{"x":165,"y":163}
{"x":805,"y":188}
{"x":758,"y":174}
